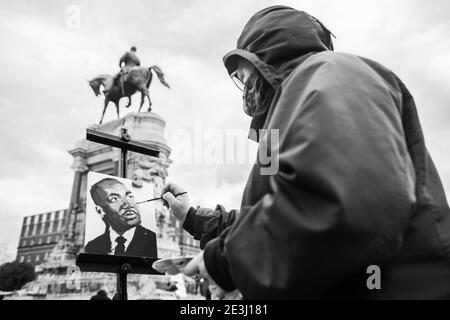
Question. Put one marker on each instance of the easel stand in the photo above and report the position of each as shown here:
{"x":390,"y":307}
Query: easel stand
{"x":122,"y":265}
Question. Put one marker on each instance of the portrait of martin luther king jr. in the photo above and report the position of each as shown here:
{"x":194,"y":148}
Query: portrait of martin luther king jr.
{"x":124,"y":234}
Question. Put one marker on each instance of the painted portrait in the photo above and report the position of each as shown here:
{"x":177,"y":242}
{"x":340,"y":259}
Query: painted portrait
{"x":118,"y":220}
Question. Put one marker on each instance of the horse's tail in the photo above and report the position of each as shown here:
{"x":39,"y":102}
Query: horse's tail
{"x":160,"y":75}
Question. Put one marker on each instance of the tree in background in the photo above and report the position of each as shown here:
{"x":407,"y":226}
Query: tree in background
{"x":13,"y":275}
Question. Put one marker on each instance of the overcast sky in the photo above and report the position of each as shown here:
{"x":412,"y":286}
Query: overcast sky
{"x":45,"y":103}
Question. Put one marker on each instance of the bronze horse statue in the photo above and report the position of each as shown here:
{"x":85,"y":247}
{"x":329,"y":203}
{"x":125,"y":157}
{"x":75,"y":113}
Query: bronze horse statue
{"x":137,"y":79}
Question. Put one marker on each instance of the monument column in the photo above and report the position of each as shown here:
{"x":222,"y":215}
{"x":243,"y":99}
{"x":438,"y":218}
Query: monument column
{"x":76,"y":206}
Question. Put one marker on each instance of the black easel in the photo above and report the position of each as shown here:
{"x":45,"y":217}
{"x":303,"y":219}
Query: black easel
{"x":122,"y":265}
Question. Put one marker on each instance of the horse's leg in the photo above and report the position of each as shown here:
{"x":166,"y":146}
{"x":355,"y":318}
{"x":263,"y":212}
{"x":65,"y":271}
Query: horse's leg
{"x":144,"y":93}
{"x":147,"y":94}
{"x":129,"y":102}
{"x":104,"y":109}
{"x":142,"y":101}
{"x":117,"y":108}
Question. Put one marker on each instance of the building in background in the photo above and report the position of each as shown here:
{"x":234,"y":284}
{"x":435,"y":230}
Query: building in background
{"x":40,"y":233}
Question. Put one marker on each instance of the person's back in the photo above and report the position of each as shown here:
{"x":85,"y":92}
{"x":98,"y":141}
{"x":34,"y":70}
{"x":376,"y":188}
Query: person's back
{"x":420,"y":269}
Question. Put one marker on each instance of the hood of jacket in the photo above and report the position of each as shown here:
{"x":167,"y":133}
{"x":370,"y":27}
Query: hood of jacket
{"x":276,"y":40}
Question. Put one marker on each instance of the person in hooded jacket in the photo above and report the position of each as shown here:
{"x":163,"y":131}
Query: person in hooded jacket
{"x":355,"y":185}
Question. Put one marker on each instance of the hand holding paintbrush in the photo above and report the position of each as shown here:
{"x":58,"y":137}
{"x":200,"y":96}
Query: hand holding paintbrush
{"x":176,"y":199}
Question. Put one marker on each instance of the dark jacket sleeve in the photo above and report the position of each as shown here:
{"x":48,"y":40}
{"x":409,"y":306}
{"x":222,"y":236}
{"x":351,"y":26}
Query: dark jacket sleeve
{"x":206,"y":224}
{"x":343,"y":193}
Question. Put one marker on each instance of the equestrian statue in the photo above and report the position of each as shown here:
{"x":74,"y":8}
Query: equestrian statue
{"x":131,"y":78}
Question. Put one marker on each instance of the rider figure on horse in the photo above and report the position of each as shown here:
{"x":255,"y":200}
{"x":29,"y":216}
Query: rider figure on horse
{"x":136,"y":77}
{"x":129,"y":60}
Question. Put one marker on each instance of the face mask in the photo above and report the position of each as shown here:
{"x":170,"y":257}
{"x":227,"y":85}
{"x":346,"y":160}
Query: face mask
{"x":251,"y":95}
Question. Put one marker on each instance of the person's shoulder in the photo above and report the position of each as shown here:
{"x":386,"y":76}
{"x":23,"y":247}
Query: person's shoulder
{"x":319,"y":69}
{"x":345,"y":60}
{"x":316,"y":65}
{"x":329,"y":60}
{"x":325,"y":67}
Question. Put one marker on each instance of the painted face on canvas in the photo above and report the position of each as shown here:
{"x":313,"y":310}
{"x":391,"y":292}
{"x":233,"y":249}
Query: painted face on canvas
{"x":119,"y":206}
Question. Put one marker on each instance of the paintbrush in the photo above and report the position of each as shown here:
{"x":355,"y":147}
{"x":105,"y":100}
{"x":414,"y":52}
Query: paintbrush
{"x":161,"y":198}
